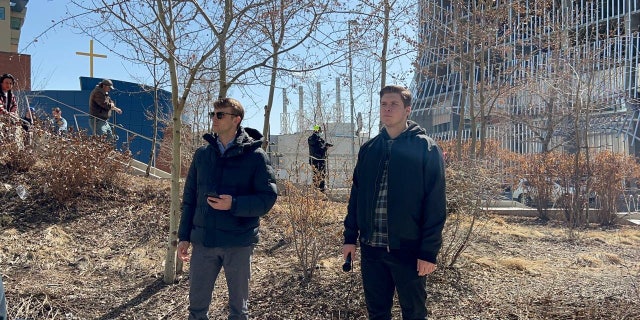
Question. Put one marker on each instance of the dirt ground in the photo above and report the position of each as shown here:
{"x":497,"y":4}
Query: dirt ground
{"x":102,"y":258}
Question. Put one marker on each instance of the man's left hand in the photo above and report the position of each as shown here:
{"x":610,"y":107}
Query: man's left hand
{"x":224,"y":202}
{"x":425,"y":267}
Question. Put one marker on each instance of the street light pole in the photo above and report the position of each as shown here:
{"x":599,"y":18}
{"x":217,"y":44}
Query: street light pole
{"x":353,"y":141}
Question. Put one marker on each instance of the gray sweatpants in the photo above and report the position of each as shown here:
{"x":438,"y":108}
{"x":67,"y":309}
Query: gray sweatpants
{"x":205,"y":267}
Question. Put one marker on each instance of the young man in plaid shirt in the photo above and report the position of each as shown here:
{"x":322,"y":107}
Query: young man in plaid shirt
{"x":397,"y":210}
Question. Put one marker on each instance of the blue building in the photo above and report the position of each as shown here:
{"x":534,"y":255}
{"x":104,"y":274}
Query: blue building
{"x":134,"y":127}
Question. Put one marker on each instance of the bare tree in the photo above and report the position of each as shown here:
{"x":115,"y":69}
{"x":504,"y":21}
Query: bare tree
{"x":286,"y":25}
{"x":186,"y":41}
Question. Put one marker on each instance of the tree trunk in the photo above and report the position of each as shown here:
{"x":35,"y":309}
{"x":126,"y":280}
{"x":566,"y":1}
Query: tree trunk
{"x":174,"y":214}
{"x":472,"y":109}
{"x":154,"y":139}
{"x":266,"y":129}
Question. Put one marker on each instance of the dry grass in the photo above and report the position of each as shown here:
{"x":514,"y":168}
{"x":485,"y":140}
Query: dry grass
{"x":498,"y":226}
{"x":519,"y":264}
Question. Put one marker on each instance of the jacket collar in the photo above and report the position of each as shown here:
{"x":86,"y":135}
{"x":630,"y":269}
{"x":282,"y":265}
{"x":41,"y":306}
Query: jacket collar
{"x":247,"y":139}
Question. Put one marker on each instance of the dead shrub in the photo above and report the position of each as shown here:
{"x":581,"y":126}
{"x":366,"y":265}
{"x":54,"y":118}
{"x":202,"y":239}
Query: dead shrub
{"x":310,"y":228}
{"x":609,"y":174}
{"x":80,"y":166}
{"x":18,"y":159}
{"x":14,"y":153}
{"x":471,"y":184}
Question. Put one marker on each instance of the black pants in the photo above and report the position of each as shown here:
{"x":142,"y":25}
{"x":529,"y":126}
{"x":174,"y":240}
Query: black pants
{"x":382,"y":274}
{"x":319,"y":173}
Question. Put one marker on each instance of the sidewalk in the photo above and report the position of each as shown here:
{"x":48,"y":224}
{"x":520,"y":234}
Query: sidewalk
{"x":512,"y":207}
{"x":504,"y":207}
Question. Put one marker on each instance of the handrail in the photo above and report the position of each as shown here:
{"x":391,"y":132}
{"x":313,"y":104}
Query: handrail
{"x":75,"y":119}
{"x":84,"y":113}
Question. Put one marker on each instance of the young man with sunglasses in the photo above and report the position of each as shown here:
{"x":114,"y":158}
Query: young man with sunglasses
{"x":230,"y":185}
{"x":396,"y":210}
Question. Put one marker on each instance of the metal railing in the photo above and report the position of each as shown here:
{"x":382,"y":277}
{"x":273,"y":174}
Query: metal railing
{"x":81,"y":113}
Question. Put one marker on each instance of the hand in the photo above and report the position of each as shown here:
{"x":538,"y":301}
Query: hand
{"x":349,"y":249}
{"x":183,"y":251}
{"x":223,"y":202}
{"x":117,"y":110}
{"x":425,"y":267}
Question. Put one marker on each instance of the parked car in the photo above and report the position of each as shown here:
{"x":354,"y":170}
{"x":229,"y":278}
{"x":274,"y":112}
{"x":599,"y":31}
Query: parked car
{"x":527,"y":194}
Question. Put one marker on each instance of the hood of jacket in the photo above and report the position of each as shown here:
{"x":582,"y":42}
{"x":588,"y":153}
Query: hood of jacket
{"x":246,"y":140}
{"x":413,"y":129}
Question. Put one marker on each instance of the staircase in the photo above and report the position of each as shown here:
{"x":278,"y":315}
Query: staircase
{"x":140,"y":169}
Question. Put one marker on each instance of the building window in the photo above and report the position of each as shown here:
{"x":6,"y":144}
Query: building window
{"x":16,"y":23}
{"x":2,"y":13}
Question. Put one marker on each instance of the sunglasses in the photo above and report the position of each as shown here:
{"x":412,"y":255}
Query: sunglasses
{"x":220,"y":114}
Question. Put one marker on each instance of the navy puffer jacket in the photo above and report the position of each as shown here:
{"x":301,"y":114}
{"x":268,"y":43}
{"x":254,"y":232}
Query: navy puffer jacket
{"x":244,"y":172}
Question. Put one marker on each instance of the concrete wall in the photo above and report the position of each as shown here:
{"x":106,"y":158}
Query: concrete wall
{"x":290,"y":156}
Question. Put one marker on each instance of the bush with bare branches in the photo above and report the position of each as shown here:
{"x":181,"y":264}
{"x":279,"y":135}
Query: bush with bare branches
{"x":72,"y":165}
{"x":80,"y":165}
{"x":471,"y":185}
{"x":14,"y":140}
{"x":309,"y":226}
{"x":610,"y":173}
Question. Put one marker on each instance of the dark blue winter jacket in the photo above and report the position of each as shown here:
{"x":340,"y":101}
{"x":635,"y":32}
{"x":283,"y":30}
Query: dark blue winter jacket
{"x":416,"y":198}
{"x":244,"y":172}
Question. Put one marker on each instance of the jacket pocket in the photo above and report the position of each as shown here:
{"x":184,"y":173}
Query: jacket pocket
{"x":225,"y":221}
{"x":198,"y":235}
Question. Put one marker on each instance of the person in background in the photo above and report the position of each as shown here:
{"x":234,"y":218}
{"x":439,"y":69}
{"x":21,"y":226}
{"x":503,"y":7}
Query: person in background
{"x":318,"y":157}
{"x":100,"y":108}
{"x":397,"y":210}
{"x":58,"y":123}
{"x":230,"y":185}
{"x":8,"y":102}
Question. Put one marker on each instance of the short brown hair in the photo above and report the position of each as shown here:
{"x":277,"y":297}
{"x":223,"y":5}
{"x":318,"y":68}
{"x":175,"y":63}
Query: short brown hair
{"x":56,"y":109}
{"x":404,"y":93}
{"x":232,"y":103}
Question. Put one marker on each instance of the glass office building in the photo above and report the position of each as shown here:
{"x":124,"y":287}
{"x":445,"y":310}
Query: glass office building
{"x":533,"y":75}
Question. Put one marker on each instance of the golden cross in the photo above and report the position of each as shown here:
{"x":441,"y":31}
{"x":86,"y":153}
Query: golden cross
{"x":91,"y":55}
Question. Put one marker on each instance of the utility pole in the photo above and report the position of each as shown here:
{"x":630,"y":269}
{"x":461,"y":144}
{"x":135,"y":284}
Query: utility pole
{"x":353,"y":138}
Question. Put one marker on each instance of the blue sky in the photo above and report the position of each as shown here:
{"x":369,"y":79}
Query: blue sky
{"x":56,"y":66}
{"x":54,"y":63}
